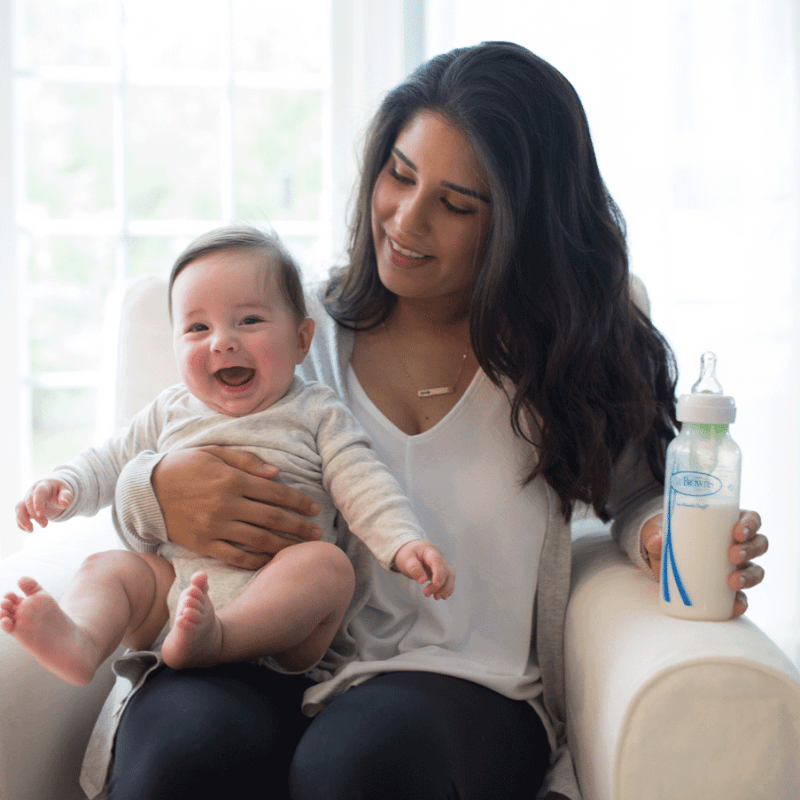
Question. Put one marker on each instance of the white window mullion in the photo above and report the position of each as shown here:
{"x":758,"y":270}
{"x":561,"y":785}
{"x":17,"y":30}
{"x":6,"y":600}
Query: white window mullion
{"x":105,"y":423}
{"x":11,"y":401}
{"x":368,"y":59}
{"x":226,"y":166}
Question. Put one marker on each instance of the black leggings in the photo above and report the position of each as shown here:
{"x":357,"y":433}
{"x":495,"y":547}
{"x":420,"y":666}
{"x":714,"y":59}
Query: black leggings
{"x":236,"y":731}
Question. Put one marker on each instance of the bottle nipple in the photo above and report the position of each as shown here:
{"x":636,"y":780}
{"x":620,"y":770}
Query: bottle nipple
{"x":707,"y":383}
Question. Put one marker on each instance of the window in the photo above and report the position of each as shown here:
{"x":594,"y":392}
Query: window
{"x":128,"y":127}
{"x":139,"y":124}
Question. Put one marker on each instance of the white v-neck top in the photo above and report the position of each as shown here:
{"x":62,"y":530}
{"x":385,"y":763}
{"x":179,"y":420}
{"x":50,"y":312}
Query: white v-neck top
{"x":489,"y":527}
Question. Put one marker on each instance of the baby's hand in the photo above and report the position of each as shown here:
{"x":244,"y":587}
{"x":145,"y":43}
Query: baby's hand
{"x":422,"y":562}
{"x":45,"y":500}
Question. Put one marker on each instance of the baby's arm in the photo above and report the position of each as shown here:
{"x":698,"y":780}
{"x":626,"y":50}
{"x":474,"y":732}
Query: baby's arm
{"x":45,"y":500}
{"x":423,"y":561}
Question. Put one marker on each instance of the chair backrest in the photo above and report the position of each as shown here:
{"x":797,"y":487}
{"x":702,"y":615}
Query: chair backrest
{"x":144,"y":364}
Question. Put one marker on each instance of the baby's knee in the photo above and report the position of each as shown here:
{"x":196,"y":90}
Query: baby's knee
{"x":324,"y":563}
{"x":335,"y":565}
{"x":109,"y":560}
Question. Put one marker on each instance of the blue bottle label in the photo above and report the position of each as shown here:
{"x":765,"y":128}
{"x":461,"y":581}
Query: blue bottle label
{"x":694,"y":484}
{"x":691,"y":484}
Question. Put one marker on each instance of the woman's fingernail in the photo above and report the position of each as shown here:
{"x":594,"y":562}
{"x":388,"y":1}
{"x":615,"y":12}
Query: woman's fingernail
{"x":742,"y":555}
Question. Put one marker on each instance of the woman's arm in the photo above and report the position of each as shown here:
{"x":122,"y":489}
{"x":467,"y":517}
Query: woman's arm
{"x":213,"y":500}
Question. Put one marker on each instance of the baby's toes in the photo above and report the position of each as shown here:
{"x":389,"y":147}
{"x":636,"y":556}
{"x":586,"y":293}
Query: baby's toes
{"x":10,"y":602}
{"x":29,"y":586}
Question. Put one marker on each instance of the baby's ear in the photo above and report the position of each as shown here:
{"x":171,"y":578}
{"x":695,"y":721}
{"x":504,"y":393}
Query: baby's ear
{"x":305,"y":333}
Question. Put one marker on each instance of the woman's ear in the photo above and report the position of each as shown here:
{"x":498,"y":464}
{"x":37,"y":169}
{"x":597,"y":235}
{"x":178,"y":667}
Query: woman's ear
{"x":305,"y":333}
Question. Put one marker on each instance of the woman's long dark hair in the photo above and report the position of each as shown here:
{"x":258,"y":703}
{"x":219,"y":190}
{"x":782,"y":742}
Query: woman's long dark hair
{"x":551,"y":314}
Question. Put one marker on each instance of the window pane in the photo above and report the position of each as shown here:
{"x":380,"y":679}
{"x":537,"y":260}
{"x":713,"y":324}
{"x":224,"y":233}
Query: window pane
{"x":70,"y":161}
{"x":63,"y":424}
{"x":266,"y":36}
{"x":173,"y":157}
{"x":154,"y":255}
{"x":69,"y":280}
{"x":311,"y":254}
{"x":75,"y":259}
{"x":81,"y":33}
{"x":173,"y":34}
{"x":278,"y":154}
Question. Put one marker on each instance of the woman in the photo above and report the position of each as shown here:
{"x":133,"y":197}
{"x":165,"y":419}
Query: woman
{"x":486,"y":335}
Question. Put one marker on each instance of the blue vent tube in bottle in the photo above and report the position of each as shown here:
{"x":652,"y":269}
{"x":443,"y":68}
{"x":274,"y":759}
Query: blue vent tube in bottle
{"x":701,"y":503}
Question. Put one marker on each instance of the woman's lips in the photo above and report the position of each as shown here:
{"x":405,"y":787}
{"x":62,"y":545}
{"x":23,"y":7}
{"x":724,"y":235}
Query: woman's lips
{"x":403,"y":257}
{"x":235,"y":377}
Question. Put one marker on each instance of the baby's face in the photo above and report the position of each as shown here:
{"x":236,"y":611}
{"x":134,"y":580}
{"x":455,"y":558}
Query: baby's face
{"x":236,"y":340}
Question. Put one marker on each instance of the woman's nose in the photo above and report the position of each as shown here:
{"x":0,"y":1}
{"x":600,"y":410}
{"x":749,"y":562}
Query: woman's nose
{"x":411,"y":216}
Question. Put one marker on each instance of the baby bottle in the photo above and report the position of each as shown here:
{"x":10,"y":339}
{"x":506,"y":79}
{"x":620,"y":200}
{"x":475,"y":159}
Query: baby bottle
{"x":701,"y":503}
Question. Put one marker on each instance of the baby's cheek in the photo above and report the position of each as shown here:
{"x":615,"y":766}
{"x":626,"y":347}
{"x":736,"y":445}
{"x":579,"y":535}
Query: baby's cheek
{"x":191,"y":365}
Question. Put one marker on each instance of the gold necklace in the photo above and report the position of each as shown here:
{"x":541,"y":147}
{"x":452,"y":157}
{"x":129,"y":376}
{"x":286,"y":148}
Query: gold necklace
{"x":437,"y":391}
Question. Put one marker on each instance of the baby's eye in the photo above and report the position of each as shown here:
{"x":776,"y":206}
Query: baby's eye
{"x":251,"y":320}
{"x":197,"y":327}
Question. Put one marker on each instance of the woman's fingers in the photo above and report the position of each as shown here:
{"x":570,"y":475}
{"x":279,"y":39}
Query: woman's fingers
{"x":272,"y":496}
{"x":747,"y":527}
{"x":739,"y":604}
{"x":746,"y":576}
{"x":242,"y":460}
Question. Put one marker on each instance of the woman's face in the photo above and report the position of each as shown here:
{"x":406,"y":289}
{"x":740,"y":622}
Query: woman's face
{"x":430,"y":212}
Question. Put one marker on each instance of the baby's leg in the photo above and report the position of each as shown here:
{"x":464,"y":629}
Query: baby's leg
{"x":114,"y":597}
{"x":290,"y":611}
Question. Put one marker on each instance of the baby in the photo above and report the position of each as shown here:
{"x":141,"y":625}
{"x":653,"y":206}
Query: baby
{"x":239,"y":330}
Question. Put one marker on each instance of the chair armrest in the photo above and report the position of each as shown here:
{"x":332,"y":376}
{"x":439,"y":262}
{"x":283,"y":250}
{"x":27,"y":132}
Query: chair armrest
{"x":44,"y":722}
{"x":661,"y":707}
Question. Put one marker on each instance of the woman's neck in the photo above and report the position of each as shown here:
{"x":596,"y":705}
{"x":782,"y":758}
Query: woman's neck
{"x":430,"y":318}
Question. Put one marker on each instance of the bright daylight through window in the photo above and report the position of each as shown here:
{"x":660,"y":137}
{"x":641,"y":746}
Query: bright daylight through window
{"x":139,"y":124}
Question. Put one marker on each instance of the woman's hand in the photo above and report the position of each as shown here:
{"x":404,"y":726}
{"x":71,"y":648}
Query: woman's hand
{"x":216,"y":500}
{"x":748,"y":544}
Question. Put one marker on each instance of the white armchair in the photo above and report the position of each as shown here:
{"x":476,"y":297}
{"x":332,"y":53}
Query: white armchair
{"x":658,"y":708}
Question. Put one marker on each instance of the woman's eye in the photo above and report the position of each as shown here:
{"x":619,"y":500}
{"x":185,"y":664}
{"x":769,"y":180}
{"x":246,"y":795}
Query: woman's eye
{"x":398,"y":177}
{"x":251,"y":320}
{"x":455,"y":209}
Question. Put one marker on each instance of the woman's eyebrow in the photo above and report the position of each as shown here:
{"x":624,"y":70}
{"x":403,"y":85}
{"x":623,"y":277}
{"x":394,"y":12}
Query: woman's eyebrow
{"x":446,"y":184}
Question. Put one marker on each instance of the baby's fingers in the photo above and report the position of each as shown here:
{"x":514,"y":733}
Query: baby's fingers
{"x":442,"y":576}
{"x":47,"y":500}
{"x":415,"y":569}
{"x":64,"y":498}
{"x":23,"y":517}
{"x":446,"y":586}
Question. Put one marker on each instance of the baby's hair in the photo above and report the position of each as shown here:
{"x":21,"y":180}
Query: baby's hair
{"x":246,"y":237}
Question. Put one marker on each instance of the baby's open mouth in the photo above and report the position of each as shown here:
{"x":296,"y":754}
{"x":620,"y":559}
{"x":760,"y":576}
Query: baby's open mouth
{"x":235,"y":376}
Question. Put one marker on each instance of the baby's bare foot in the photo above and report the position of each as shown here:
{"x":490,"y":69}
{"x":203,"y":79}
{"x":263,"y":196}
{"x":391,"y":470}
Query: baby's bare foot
{"x":196,"y":637}
{"x":39,"y":624}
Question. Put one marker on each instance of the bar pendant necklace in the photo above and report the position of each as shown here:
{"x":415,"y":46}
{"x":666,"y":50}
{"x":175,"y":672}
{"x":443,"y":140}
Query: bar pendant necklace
{"x":442,"y":389}
{"x":437,"y":391}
